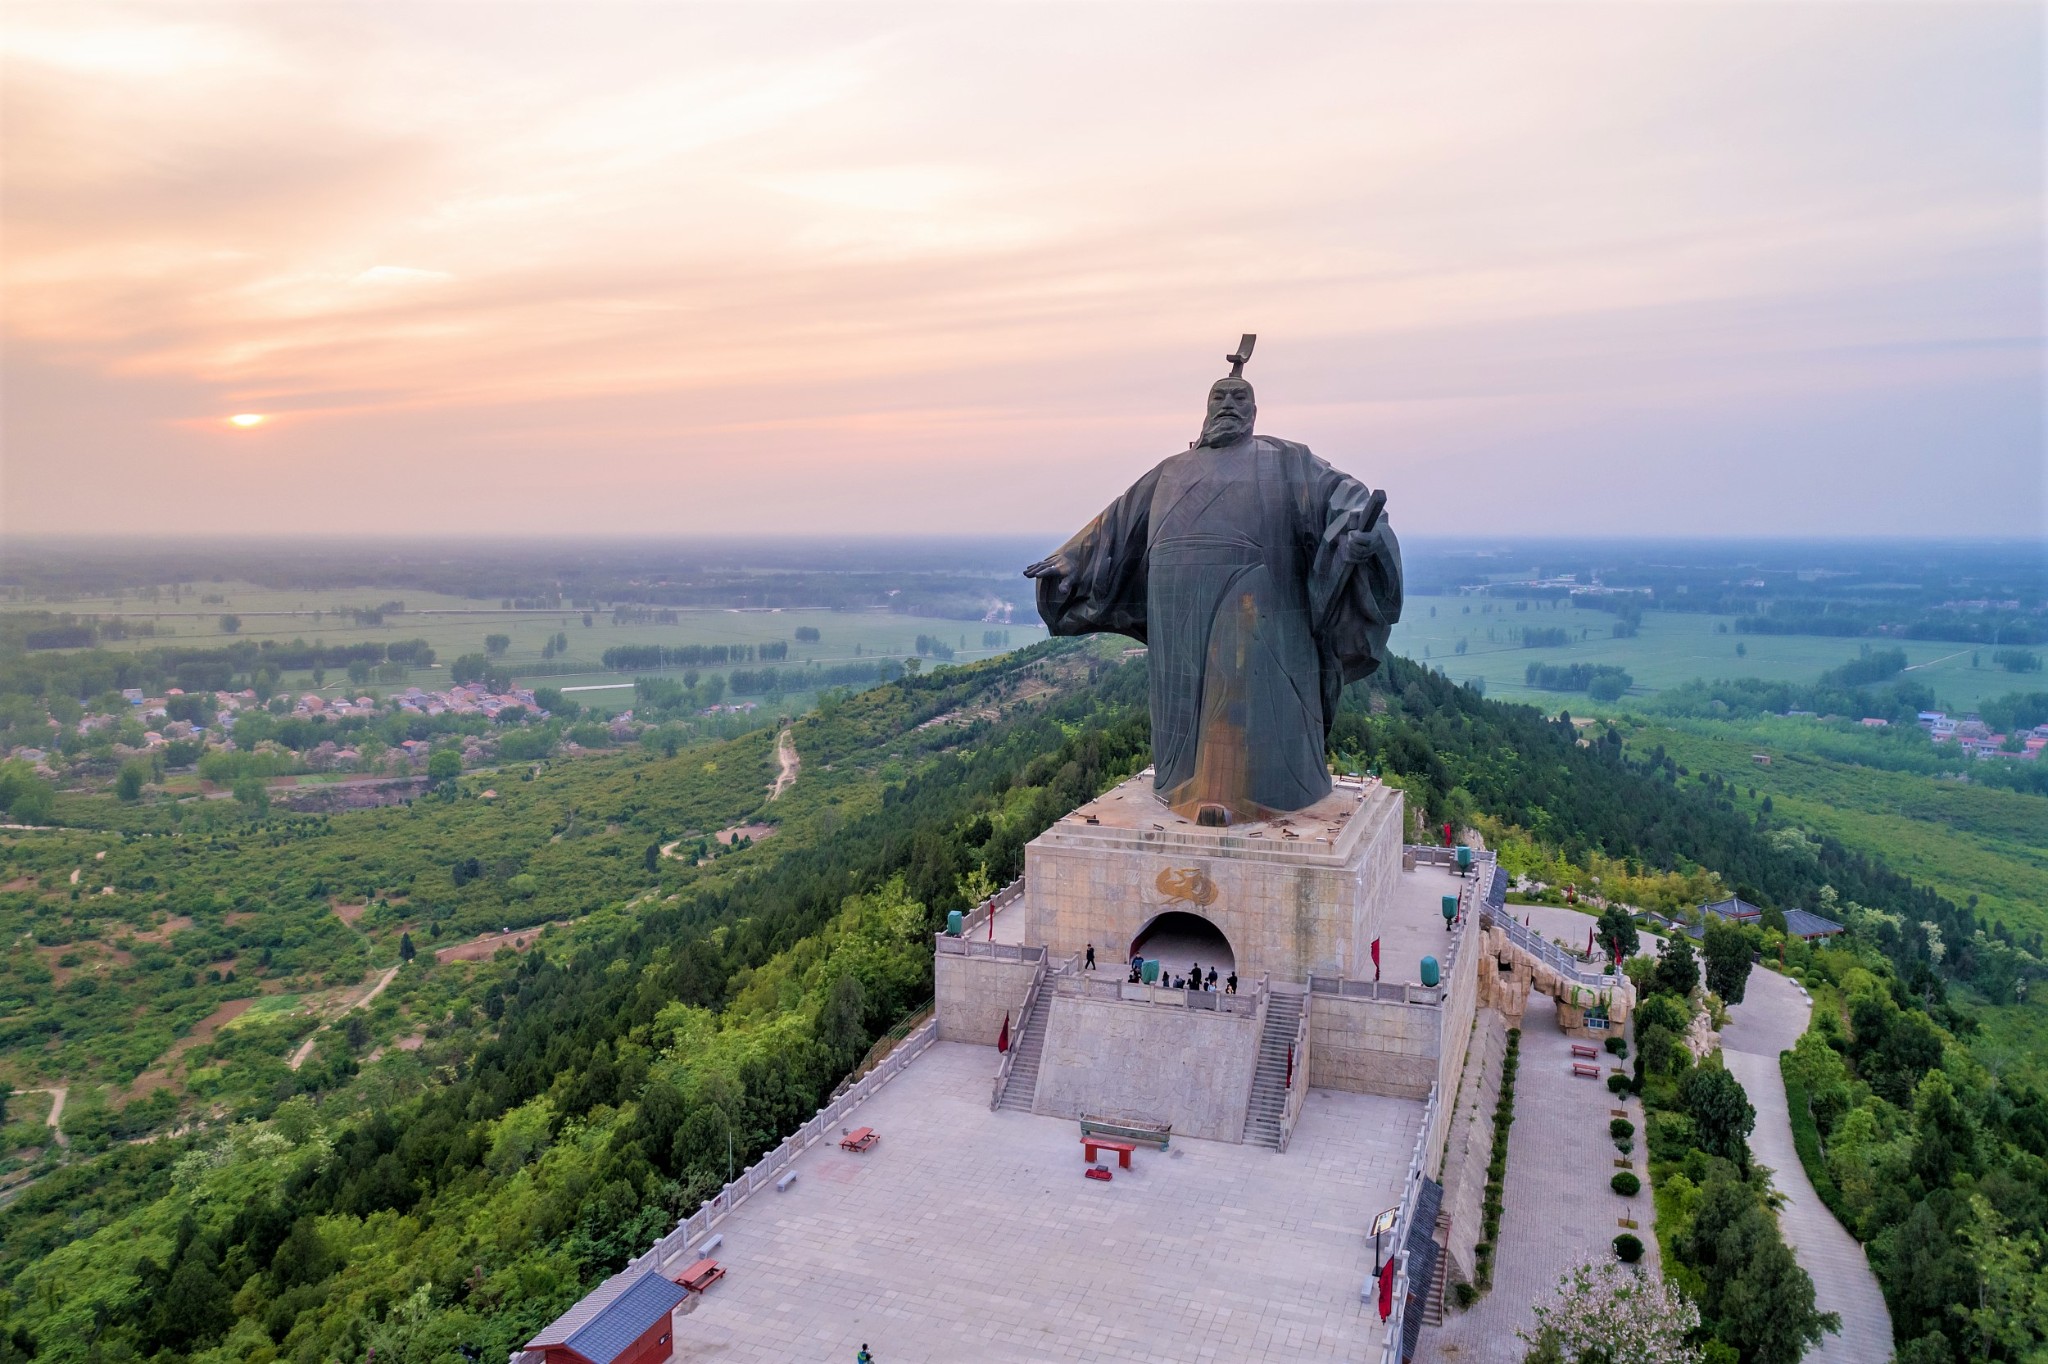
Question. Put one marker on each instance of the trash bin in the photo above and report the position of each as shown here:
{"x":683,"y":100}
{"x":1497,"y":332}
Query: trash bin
{"x":1429,"y":971}
{"x":1464,"y":858}
{"x":955,"y":920}
{"x":1151,"y":973}
{"x":1450,"y":909}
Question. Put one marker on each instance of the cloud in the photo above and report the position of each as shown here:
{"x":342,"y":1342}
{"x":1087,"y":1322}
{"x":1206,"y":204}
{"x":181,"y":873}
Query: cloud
{"x":933,"y":268}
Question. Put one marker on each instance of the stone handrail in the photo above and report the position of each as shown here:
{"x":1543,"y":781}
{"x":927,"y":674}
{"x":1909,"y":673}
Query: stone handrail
{"x":995,"y":951}
{"x":1411,"y":1189}
{"x":977,"y":918}
{"x":1298,"y":1093}
{"x":1567,"y":966}
{"x":1023,"y":1015}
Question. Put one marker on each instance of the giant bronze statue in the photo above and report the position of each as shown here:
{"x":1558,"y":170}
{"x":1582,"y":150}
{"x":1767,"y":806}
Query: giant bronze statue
{"x":1263,"y":580}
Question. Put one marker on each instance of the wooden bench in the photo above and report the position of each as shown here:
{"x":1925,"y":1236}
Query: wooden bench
{"x":1123,"y":1149}
{"x":1147,"y":1136}
{"x":701,"y":1275}
{"x":1590,"y":1071}
{"x":860,"y":1139}
{"x":1581,"y":1050}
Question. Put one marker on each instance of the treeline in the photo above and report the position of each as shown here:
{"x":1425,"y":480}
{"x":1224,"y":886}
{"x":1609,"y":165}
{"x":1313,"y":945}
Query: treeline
{"x":248,"y":663}
{"x":630,"y":657}
{"x":1603,"y":681}
{"x":1791,"y":617}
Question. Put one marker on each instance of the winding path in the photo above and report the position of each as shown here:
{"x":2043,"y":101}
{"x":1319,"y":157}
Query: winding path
{"x":306,"y":1047}
{"x":58,"y":1094}
{"x":1769,"y":1020}
{"x":785,"y":754}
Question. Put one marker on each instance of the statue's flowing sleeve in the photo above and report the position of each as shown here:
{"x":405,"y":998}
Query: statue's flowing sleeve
{"x":1106,"y":590}
{"x":1355,"y":600}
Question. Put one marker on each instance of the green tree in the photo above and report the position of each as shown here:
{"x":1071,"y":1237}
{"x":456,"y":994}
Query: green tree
{"x":1727,"y":959}
{"x":252,"y":794}
{"x":494,"y":645}
{"x":1678,"y":970}
{"x":444,"y":766}
{"x":406,"y":951}
{"x":1617,"y":933}
{"x":1944,"y":1139}
{"x":1721,"y":1113}
{"x":230,"y":624}
{"x":128,"y":785}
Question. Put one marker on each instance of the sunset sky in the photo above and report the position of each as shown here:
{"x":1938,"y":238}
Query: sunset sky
{"x":573,"y":268}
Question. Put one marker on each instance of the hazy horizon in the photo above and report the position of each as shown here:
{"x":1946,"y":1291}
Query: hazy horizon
{"x":1738,"y":273}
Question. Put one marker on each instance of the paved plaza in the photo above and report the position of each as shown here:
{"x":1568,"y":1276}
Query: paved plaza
{"x":972,"y":1235}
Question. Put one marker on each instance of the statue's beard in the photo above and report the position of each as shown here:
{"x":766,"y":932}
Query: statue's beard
{"x":1225,"y":428}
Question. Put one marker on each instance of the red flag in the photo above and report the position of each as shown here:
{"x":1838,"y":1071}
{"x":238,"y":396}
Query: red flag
{"x":1387,"y":1289}
{"x":1375,"y":958}
{"x":1003,"y":1038}
{"x":1589,"y":942}
{"x":1447,"y":835}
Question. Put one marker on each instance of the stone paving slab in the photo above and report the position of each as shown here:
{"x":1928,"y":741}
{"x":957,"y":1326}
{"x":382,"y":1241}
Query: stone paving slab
{"x":1557,"y":1207}
{"x":971,"y":1235}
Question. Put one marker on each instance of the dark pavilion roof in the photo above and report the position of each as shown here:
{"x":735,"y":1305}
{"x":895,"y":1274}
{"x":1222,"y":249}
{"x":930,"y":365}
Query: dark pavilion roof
{"x":612,"y":1316}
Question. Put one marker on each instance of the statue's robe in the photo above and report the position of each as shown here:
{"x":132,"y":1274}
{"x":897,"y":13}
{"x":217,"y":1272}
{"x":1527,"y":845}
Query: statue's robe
{"x":1229,"y":563}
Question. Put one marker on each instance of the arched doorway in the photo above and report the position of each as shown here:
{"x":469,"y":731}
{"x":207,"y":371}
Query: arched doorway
{"x":1180,"y":939}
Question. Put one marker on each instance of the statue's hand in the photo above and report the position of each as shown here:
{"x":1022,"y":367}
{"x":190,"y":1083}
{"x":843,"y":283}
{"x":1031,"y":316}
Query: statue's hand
{"x":1357,"y":546}
{"x":1055,"y":567}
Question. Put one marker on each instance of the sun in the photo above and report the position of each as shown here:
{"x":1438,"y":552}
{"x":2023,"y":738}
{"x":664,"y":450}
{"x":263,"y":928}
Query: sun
{"x":246,"y":419}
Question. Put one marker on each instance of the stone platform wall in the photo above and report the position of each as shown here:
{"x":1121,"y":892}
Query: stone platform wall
{"x":1288,"y":904}
{"x":973,"y":993}
{"x":1147,"y":1063}
{"x":1369,"y":1046}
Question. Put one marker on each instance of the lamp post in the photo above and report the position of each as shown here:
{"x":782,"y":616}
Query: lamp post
{"x":1381,"y":1225}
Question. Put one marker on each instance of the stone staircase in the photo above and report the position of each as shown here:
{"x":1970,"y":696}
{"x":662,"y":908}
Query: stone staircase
{"x":1028,"y":1045}
{"x":1433,"y":1306}
{"x":1268,"y":1106}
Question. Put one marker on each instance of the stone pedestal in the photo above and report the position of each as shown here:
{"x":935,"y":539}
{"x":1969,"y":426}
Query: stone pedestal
{"x":1291,"y":895}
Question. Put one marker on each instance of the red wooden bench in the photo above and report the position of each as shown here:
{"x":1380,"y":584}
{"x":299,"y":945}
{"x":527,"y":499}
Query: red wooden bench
{"x":860,"y":1139}
{"x":701,"y":1275}
{"x":1591,"y":1072}
{"x":1580,"y":1049}
{"x":1123,"y":1149}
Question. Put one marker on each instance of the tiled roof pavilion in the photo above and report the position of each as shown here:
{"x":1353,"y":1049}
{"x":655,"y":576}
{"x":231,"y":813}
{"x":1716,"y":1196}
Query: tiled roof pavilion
{"x":610,"y":1320}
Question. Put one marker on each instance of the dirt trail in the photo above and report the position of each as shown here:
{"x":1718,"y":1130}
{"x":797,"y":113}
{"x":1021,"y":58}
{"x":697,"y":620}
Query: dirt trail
{"x":348,"y":1007}
{"x":57,"y":1095}
{"x":785,"y":753}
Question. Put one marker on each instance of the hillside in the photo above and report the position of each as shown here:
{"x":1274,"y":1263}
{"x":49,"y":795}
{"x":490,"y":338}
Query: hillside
{"x":564,"y":1104}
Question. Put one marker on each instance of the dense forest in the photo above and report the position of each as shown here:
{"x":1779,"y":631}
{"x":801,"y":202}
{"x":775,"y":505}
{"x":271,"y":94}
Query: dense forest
{"x":570,"y":1102}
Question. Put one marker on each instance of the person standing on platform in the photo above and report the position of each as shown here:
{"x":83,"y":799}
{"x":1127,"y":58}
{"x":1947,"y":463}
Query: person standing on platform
{"x":1210,"y":980}
{"x":1089,"y":965}
{"x":1230,"y":984}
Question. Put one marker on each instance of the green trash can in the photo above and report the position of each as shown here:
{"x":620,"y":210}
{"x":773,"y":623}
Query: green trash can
{"x":1450,"y":909}
{"x":955,"y":921}
{"x":1430,"y":974}
{"x":1464,"y":858}
{"x":1150,"y":975}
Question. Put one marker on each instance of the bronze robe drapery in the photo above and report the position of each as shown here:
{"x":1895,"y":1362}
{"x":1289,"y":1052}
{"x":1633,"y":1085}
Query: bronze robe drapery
{"x":1231,"y":564}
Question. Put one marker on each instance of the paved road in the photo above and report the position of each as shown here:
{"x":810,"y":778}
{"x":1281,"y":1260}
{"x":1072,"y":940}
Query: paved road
{"x":1769,"y":1020}
{"x":1557,"y":1208}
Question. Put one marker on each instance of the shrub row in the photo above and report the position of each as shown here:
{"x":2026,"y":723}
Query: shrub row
{"x":1497,"y":1166}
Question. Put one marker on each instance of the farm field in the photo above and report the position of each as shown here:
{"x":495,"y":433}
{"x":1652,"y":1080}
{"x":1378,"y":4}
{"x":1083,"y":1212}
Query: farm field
{"x":454,"y":626}
{"x":1670,"y":649}
{"x":1965,"y":840}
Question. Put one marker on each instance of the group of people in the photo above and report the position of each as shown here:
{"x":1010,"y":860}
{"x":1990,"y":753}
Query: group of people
{"x":1193,"y":980}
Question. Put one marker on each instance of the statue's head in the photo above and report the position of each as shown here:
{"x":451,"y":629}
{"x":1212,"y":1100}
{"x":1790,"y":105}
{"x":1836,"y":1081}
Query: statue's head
{"x":1232,"y":409}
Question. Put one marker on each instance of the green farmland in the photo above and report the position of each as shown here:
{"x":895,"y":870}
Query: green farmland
{"x":1670,"y":648}
{"x":454,"y":626}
